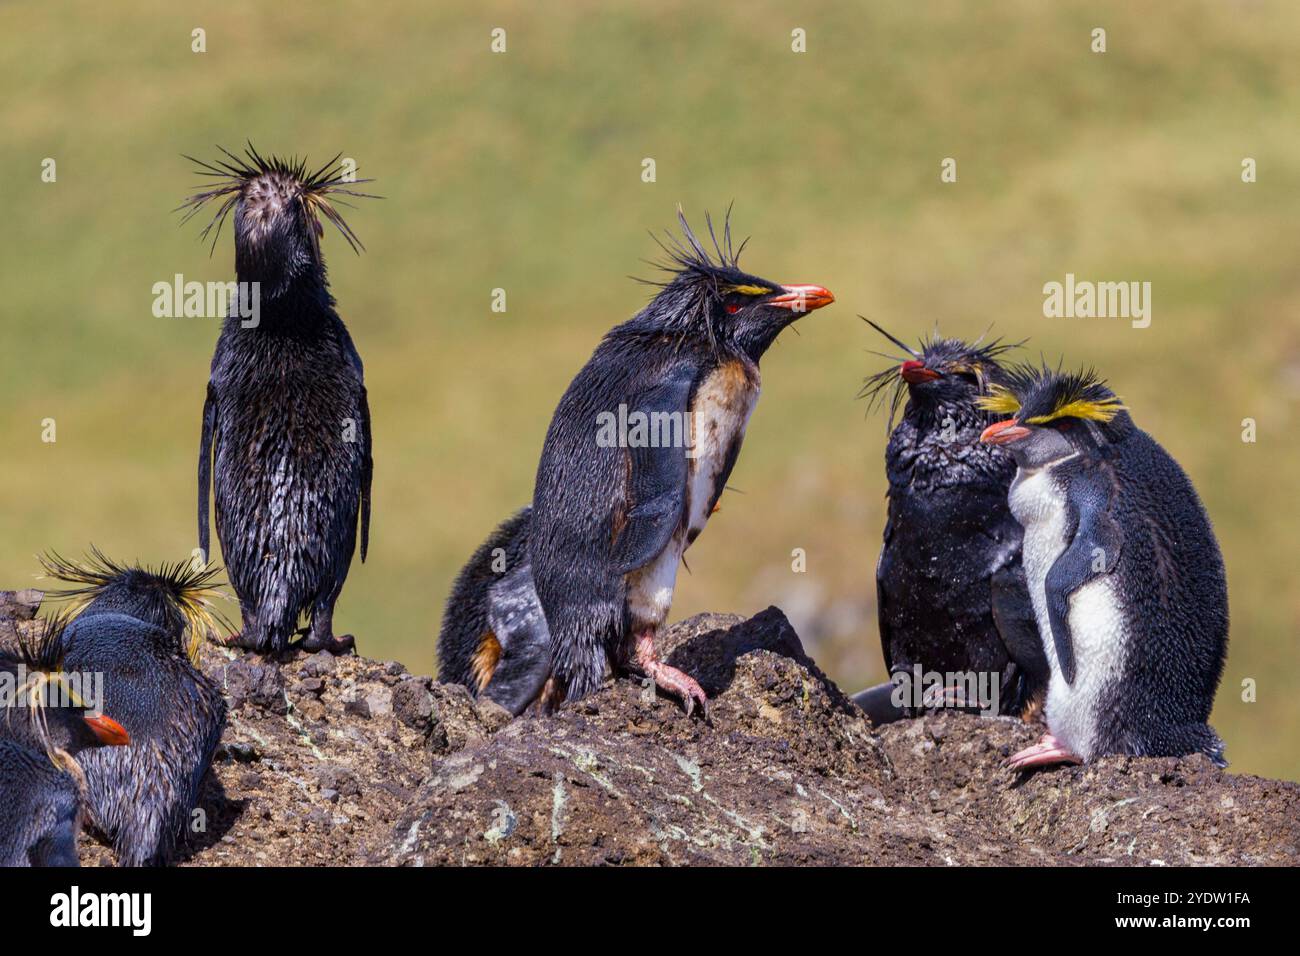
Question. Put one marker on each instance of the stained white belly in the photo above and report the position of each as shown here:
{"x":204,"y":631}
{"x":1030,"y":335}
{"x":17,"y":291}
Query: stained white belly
{"x":1097,"y":630}
{"x":723,"y":404}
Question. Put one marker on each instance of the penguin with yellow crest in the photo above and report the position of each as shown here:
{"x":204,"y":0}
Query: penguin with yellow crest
{"x":1124,"y":572}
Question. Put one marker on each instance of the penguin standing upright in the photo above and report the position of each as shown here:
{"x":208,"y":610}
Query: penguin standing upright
{"x":1123,"y":569}
{"x":45,"y":726}
{"x":950,"y":591}
{"x":286,"y":423}
{"x":494,"y":638}
{"x":636,"y":456}
{"x":141,"y":629}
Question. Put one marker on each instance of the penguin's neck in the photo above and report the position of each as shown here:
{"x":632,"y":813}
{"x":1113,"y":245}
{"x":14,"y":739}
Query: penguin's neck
{"x":302,"y":304}
{"x":937,"y":444}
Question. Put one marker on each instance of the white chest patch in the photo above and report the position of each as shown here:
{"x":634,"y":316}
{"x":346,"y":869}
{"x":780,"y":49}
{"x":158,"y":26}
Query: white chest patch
{"x":1097,"y":629}
{"x":723,"y":403}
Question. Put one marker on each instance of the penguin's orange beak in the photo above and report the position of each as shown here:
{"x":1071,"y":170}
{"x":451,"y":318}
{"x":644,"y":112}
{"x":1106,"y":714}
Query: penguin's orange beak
{"x":109,"y":732}
{"x":801,"y":298}
{"x":914,"y":373}
{"x":1000,"y":433}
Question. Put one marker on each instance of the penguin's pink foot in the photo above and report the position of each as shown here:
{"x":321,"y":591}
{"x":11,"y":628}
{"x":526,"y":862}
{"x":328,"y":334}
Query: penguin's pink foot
{"x":1046,"y":753}
{"x":669,"y":678}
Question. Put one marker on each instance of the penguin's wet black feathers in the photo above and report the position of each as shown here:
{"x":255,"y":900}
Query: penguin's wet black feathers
{"x":494,"y":639}
{"x":602,"y":515}
{"x":237,"y":172}
{"x":130,"y":625}
{"x":44,"y":734}
{"x":285,"y":442}
{"x":950,"y":593}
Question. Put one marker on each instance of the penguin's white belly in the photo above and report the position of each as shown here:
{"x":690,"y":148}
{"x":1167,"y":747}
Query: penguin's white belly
{"x":1097,"y":628}
{"x":723,"y":403}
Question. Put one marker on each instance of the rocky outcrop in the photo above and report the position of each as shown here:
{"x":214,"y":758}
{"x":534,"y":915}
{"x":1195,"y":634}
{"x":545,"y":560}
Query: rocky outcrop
{"x":354,"y":761}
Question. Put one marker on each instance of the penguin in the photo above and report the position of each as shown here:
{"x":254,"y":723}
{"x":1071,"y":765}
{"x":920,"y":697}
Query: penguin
{"x":950,"y":591}
{"x":285,"y":442}
{"x":637,"y":454}
{"x":1125,"y":574}
{"x":45,"y":726}
{"x":494,"y":639}
{"x":141,"y":628}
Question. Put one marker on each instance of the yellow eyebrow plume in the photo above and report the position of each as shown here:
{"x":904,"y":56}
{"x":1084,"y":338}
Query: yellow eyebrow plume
{"x":748,"y":289}
{"x":999,"y":400}
{"x":1098,"y":411}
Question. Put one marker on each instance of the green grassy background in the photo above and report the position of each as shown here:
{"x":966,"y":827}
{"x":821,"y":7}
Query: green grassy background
{"x":522,"y":171}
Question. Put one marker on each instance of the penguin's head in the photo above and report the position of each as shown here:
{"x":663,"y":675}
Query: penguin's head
{"x":58,"y":710}
{"x":1050,"y":415}
{"x":939,"y":372}
{"x":175,"y":598}
{"x":710,"y":299}
{"x":277,"y":205}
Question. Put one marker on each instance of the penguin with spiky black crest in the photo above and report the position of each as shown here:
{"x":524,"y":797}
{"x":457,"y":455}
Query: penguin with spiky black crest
{"x":141,"y":628}
{"x":48,"y":719}
{"x":494,"y":638}
{"x":637,"y":454}
{"x":1123,"y":568}
{"x":286,"y":440}
{"x":950,"y":591}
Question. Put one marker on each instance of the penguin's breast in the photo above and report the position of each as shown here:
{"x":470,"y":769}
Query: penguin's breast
{"x":719,"y":415}
{"x":1097,"y":629}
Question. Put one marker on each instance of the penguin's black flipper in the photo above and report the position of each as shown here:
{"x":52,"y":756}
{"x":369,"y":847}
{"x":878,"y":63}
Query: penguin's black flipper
{"x":656,"y":487}
{"x":878,"y":702}
{"x":205,"y":465}
{"x":1013,"y":613}
{"x":367,"y":472}
{"x":1093,"y":552}
{"x":515,"y":617}
{"x":882,"y":595}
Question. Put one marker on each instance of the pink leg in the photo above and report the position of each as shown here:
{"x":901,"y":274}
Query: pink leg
{"x":1046,"y":753}
{"x":668,"y":678}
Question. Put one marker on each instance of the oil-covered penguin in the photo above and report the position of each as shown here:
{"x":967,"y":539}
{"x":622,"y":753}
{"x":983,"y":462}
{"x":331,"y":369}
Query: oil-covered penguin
{"x":1125,"y":574}
{"x":48,"y":719}
{"x":950,"y":591}
{"x":141,"y":629}
{"x":286,"y":435}
{"x":636,"y":456}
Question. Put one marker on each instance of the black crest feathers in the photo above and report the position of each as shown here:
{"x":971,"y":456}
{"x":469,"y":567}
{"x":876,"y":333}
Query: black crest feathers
{"x":314,"y":189}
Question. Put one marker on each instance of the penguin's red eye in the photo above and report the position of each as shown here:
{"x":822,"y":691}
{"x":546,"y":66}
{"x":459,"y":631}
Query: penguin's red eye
{"x":732,"y":309}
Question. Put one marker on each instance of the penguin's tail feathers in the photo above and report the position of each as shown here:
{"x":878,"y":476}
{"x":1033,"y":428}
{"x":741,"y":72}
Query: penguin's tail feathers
{"x":188,"y":588}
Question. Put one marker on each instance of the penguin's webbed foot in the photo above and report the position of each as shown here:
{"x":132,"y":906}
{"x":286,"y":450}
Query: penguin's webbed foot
{"x":670,"y":679}
{"x":1046,"y":753}
{"x":246,"y":641}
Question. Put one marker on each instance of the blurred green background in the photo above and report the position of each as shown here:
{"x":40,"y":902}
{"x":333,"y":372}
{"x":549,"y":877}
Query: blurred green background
{"x":523,"y":171}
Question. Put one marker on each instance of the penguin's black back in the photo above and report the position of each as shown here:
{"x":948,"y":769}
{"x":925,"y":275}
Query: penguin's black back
{"x":581,"y":495}
{"x":39,"y":809}
{"x":141,"y":796}
{"x":1173,"y":588}
{"x":465,"y":618}
{"x":287,"y":481}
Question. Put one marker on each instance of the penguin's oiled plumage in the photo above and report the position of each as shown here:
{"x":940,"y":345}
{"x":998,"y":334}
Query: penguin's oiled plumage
{"x":494,"y":638}
{"x":45,"y":726}
{"x":951,"y":597}
{"x":286,"y":440}
{"x":1126,"y":576}
{"x":611,"y":519}
{"x":132,"y":625}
